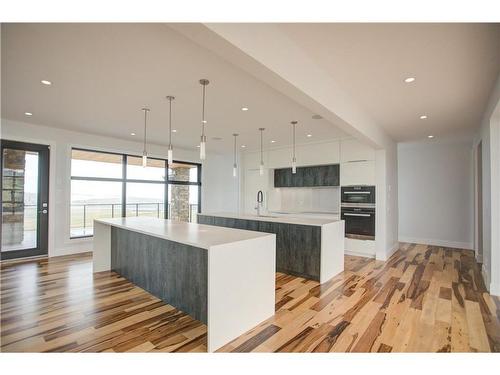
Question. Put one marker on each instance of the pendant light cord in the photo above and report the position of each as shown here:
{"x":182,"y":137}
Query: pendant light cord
{"x":203,"y":113}
{"x":145,"y":120}
{"x":234,"y":154}
{"x":294,"y":141}
{"x":170,"y":122}
{"x":261,"y":152}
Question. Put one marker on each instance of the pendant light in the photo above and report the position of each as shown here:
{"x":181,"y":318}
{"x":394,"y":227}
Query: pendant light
{"x":235,"y":166}
{"x":170,"y":154}
{"x":203,"y":141}
{"x":294,"y":160}
{"x":261,"y":167}
{"x":144,"y":152}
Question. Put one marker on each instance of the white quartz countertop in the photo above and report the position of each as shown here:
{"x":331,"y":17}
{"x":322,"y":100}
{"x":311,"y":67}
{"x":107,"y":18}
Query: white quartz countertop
{"x":198,"y":235}
{"x":277,"y":218}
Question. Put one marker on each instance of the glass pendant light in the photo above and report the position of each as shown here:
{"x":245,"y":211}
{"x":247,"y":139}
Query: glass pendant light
{"x":144,"y":152}
{"x":294,"y":160}
{"x":203,"y":141}
{"x":170,"y":154}
{"x":261,"y":167}
{"x":235,"y":166}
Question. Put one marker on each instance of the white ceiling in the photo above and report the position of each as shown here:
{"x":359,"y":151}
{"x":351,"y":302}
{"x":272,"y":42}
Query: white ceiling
{"x":103,"y":74}
{"x":455,"y":66}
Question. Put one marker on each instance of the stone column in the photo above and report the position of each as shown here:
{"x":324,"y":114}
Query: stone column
{"x":13,"y":196}
{"x":179,"y":197}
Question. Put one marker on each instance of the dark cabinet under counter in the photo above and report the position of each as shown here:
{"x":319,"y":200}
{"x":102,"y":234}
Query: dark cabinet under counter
{"x":319,"y":175}
{"x":313,"y":250}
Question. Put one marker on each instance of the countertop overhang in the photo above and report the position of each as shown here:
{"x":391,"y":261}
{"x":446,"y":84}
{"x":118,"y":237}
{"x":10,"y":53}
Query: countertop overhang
{"x":285,"y":218}
{"x":197,"y":235}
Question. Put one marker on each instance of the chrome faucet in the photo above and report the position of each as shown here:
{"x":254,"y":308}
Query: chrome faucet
{"x":260,"y":200}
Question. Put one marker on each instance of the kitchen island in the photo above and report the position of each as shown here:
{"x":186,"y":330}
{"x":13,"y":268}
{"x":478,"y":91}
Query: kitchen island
{"x":308,"y":247}
{"x":223,"y":277}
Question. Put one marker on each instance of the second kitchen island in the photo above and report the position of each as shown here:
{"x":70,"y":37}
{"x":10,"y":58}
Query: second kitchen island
{"x":306,"y":247}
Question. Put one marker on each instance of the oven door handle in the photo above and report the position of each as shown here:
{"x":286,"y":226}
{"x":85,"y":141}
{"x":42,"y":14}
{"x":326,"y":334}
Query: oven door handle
{"x":363,"y":215}
{"x":357,"y":192}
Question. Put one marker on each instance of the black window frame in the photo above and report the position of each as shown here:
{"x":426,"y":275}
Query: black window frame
{"x":124,"y":181}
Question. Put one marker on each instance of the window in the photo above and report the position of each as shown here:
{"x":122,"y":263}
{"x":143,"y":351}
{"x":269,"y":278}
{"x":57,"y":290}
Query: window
{"x":107,"y":185}
{"x":145,"y":199}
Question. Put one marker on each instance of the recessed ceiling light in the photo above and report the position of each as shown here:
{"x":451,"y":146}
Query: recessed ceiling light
{"x":132,"y":133}
{"x":430,"y":136}
{"x":273,"y":141}
{"x":198,"y":146}
{"x":309,"y":135}
{"x":423,"y":117}
{"x":409,"y":79}
{"x":28,"y":113}
{"x":45,"y":82}
{"x":243,"y":146}
{"x":174,"y":130}
{"x":244,"y":108}
{"x":204,"y":121}
{"x":316,"y":117}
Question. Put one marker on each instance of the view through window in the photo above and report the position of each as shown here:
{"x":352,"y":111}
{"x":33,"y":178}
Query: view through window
{"x":107,"y":185}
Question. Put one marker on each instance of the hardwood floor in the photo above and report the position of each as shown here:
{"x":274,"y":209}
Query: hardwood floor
{"x":423,"y":299}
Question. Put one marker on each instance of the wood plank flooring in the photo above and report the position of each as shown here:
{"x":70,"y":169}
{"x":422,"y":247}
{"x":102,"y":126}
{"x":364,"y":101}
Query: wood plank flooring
{"x":423,"y":299}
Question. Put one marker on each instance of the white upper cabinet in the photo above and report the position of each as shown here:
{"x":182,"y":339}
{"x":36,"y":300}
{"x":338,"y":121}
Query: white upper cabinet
{"x":251,"y":160}
{"x":357,"y":173}
{"x":318,"y":153}
{"x":351,"y":150}
{"x":311,"y":154}
{"x":281,"y":158}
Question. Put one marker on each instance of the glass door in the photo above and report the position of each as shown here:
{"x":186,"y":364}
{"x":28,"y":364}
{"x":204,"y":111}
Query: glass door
{"x":25,"y":205}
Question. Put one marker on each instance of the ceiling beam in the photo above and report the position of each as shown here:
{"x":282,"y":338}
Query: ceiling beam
{"x":267,"y":53}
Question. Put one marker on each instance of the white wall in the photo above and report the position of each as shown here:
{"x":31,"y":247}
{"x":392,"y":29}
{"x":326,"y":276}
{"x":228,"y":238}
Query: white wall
{"x":488,"y":134}
{"x":220,"y":191}
{"x":217,"y":189}
{"x":386,"y":225}
{"x":436,"y":192}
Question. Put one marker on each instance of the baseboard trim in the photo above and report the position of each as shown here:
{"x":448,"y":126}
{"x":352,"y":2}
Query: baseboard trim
{"x":495,"y":289}
{"x":63,"y":251}
{"x":434,"y":242}
{"x":389,"y":253}
{"x":359,"y":254}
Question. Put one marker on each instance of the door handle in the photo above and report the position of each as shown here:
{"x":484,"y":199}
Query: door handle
{"x":363,"y":215}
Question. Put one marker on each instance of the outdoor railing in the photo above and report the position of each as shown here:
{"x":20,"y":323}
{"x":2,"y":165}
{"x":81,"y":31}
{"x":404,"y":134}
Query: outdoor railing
{"x":83,"y":214}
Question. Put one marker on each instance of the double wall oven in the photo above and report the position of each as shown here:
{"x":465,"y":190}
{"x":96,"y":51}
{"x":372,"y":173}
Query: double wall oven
{"x":358,"y":211}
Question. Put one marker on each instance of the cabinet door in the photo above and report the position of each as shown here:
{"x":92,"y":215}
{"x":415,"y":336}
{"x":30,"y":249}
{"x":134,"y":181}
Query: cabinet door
{"x":304,"y":250}
{"x":354,"y":150}
{"x":310,"y":176}
{"x":328,"y":175}
{"x":208,"y":220}
{"x":252,"y":225}
{"x":297,"y":178}
{"x":283,"y":177}
{"x":358,"y":173}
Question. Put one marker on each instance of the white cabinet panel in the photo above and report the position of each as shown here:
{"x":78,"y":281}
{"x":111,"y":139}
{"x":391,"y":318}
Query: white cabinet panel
{"x":281,"y":158}
{"x":357,"y":173}
{"x":251,"y":160}
{"x":318,"y":153}
{"x":312,"y":154}
{"x":353,"y":150}
{"x":364,"y":248}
